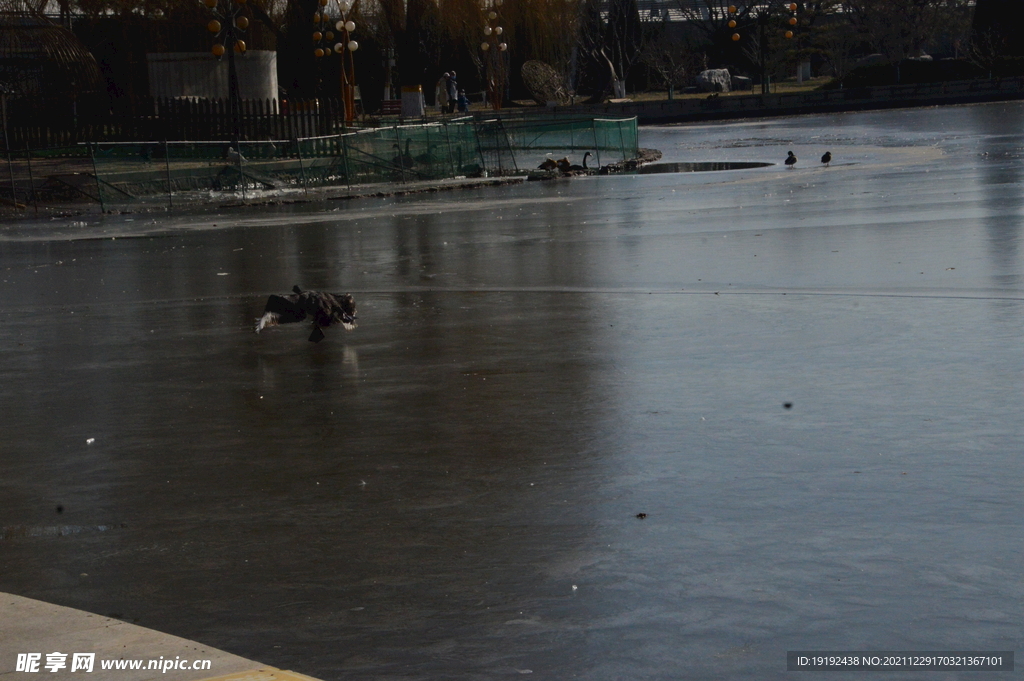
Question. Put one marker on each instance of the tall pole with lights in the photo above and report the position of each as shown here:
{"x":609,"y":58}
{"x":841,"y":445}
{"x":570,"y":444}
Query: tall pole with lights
{"x":493,"y":47}
{"x":344,"y":48}
{"x":765,"y":12}
{"x":228,"y":26}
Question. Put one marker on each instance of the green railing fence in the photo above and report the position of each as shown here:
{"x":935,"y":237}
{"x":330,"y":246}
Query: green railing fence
{"x":120,"y":174}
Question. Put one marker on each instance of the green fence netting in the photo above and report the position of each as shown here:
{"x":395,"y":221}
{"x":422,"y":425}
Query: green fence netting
{"x":610,"y":140}
{"x":118,"y":174}
{"x":46,"y":176}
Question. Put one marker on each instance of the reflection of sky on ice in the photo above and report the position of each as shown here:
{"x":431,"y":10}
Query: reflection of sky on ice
{"x":534,"y":366}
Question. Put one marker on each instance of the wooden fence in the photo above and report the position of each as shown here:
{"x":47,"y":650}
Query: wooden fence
{"x":177,"y":119}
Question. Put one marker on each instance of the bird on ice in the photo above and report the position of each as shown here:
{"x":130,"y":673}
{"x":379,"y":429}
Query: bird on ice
{"x":791,"y":160}
{"x":577,"y":168}
{"x":326,"y":309}
{"x":827,"y":158}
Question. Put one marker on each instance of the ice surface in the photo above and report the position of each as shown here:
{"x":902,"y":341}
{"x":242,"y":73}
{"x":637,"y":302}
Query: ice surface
{"x":534,"y":366}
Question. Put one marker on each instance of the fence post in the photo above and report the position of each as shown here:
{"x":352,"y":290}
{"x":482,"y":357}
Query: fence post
{"x":167,"y":167}
{"x":497,"y":148}
{"x":96,"y":174}
{"x":479,"y":143}
{"x":241,"y":171}
{"x":597,"y":146}
{"x":511,"y":151}
{"x":451,"y":156}
{"x":302,"y":170}
{"x":10,"y":169}
{"x":7,"y":145}
{"x":344,"y":155}
{"x":32,"y":182}
{"x":401,"y":159}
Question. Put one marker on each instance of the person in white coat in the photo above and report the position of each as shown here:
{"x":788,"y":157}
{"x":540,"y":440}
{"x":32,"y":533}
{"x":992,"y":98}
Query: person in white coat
{"x":441,"y":92}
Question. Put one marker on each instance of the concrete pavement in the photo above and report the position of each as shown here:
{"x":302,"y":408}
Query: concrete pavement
{"x":56,"y":634}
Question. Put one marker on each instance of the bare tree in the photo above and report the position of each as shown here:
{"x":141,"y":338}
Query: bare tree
{"x":623,"y":40}
{"x":899,"y":30}
{"x":674,"y":60}
{"x":591,"y":58}
{"x":836,"y":42}
{"x":986,"y":48}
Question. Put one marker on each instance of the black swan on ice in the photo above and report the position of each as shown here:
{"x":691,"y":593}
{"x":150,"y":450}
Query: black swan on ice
{"x":575,"y":167}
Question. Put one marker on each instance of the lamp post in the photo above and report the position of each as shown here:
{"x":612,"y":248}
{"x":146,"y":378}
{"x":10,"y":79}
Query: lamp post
{"x":229,"y":24}
{"x":765,"y":13}
{"x":344,"y":48}
{"x":493,"y":47}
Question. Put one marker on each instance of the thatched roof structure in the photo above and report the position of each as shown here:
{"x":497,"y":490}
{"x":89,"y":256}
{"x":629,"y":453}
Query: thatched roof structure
{"x":41,"y":60}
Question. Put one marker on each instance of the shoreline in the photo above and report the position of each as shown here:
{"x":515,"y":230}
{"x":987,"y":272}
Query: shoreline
{"x":649,"y":113}
{"x":233,"y":200}
{"x":733,"y":107}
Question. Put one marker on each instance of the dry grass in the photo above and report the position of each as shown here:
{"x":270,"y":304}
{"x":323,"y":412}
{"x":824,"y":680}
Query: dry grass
{"x":784,"y":87}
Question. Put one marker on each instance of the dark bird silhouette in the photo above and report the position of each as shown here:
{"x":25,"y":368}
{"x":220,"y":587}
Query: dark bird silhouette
{"x":427,"y":159}
{"x":563,"y":164}
{"x":584,"y":166}
{"x":403,"y":160}
{"x":326,"y":309}
{"x":548,"y":164}
{"x":827,"y":158}
{"x":470,"y":169}
{"x":791,"y":160}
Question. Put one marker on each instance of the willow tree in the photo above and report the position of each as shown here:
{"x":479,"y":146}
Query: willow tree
{"x":545,"y":30}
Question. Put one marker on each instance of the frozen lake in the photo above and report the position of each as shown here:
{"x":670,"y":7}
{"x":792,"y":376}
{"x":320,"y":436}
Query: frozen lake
{"x":451,"y":491}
